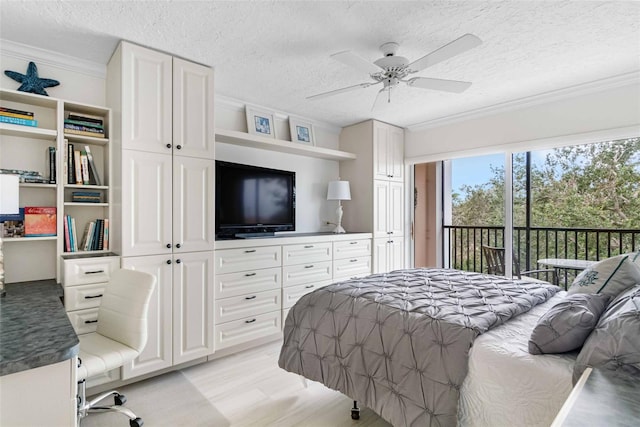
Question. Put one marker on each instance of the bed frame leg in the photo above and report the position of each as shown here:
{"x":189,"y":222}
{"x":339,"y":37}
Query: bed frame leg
{"x":355,"y":411}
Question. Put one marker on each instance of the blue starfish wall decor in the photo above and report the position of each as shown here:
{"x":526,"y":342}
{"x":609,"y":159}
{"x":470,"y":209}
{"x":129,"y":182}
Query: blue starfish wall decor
{"x":31,"y":82}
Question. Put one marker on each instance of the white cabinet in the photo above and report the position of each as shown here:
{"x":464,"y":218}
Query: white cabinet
{"x":388,"y":206}
{"x":388,"y":152}
{"x":388,"y":254}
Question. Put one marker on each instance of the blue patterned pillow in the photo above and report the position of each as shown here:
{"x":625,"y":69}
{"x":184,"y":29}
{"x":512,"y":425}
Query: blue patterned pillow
{"x":611,"y":276}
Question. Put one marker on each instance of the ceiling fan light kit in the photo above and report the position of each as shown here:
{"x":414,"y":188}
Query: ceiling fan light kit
{"x":391,"y":69}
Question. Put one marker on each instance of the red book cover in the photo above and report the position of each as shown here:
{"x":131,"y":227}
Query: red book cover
{"x":40,"y":221}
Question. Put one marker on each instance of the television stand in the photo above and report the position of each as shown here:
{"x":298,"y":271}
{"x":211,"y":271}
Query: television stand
{"x":254,"y":235}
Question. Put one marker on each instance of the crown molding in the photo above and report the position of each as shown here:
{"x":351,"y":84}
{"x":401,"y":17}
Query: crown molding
{"x":53,"y":59}
{"x":530,"y":101}
{"x":236,"y":105}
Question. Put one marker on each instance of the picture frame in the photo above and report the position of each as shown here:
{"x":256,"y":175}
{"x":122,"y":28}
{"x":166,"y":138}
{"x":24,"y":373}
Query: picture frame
{"x":260,"y":122}
{"x":301,"y":131}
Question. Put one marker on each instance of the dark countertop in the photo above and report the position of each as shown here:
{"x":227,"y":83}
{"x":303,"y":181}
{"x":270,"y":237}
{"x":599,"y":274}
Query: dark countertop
{"x":34,"y":328}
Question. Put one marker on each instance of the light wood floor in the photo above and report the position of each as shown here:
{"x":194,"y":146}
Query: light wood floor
{"x":242,"y":390}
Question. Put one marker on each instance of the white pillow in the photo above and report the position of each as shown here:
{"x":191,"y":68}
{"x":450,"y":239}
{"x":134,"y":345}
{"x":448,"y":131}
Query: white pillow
{"x":610,"y":276}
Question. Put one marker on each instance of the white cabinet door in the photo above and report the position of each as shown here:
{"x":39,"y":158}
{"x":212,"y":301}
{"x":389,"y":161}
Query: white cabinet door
{"x":380,"y":208}
{"x":395,"y":154}
{"x":380,"y":258}
{"x":192,"y":306}
{"x":380,"y":151}
{"x":146,"y":203}
{"x":146,"y":99}
{"x":395,"y":254}
{"x":395,"y":210}
{"x":193,"y":199}
{"x":193,"y":126}
{"x":157,"y":354}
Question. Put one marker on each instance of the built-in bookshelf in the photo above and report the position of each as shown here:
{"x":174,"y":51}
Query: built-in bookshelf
{"x":26,"y":148}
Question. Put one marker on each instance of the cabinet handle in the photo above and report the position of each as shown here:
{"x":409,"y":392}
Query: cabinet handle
{"x":250,"y":321}
{"x":251,"y":297}
{"x":390,"y":241}
{"x":179,"y":147}
{"x":309,"y":286}
{"x":389,"y":232}
{"x":308,"y":266}
{"x":248,"y":251}
{"x":249,"y":274}
{"x":178,"y":246}
{"x":168,"y":145}
{"x":92,"y":296}
{"x":178,"y":261}
{"x":94,"y":272}
{"x":308,"y":246}
{"x":168,"y":261}
{"x":168,"y":245}
{"x":353,"y":243}
{"x":91,"y":321}
{"x":353,"y":260}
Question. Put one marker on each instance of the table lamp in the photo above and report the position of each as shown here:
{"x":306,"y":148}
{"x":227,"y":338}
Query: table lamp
{"x":9,"y":191}
{"x":339,"y":190}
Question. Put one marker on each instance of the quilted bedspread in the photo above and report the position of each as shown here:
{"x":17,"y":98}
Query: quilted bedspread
{"x":398,"y":342}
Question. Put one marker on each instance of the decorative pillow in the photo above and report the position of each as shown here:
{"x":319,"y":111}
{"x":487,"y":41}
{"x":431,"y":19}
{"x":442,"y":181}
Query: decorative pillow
{"x":567,"y":324}
{"x":615,"y":342}
{"x":609,"y":277}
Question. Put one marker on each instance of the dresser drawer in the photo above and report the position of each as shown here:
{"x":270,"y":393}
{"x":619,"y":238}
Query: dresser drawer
{"x":235,"y":308}
{"x":84,"y":321}
{"x":306,"y":253}
{"x":292,"y":294}
{"x":83,"y":296}
{"x":306,"y":273}
{"x":351,"y":249}
{"x":89,"y":270}
{"x":351,"y":267}
{"x":233,"y":260}
{"x":247,"y":329}
{"x":244,"y":282}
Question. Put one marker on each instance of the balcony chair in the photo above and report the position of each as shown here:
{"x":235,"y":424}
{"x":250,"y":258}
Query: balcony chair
{"x":494,"y":257}
{"x":120,"y":337}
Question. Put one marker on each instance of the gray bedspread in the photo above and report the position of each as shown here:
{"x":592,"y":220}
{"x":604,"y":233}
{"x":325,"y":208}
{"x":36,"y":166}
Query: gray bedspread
{"x":398,"y":342}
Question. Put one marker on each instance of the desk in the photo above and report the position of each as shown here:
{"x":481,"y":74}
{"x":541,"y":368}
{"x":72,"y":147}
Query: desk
{"x":566,"y":264}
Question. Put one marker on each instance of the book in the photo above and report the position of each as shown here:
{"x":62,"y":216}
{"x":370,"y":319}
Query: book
{"x":74,"y":233}
{"x":83,"y":241}
{"x":52,"y":165}
{"x":77,"y":166}
{"x":67,"y":240}
{"x":84,"y":165}
{"x":65,"y":163}
{"x":67,"y":220}
{"x":106,"y":234}
{"x":14,"y":111}
{"x":12,"y":229}
{"x":18,"y":121}
{"x":82,"y":117}
{"x":94,"y":238}
{"x":80,"y":123}
{"x":100,"y":235}
{"x":40,"y":221}
{"x":89,"y":236}
{"x":84,"y":128}
{"x":17,"y":116}
{"x":84,"y":133}
{"x":71,"y":165}
{"x":92,"y":166}
{"x":13,"y":217}
{"x":86,"y":196}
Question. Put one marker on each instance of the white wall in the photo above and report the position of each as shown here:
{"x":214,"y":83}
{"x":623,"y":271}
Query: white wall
{"x":602,"y":109}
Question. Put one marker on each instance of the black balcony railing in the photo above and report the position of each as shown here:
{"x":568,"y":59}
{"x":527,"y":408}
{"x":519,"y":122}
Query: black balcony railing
{"x":529,"y":245}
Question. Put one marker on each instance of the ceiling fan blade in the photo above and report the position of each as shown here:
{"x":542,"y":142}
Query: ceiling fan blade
{"x":456,"y":47}
{"x":344,"y":89}
{"x":439,"y":84}
{"x":351,"y":59}
{"x":382,"y":97}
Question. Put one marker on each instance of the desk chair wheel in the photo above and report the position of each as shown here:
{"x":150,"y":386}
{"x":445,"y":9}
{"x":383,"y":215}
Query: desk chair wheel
{"x":355,"y":414}
{"x":136,"y":422}
{"x":119,"y":399}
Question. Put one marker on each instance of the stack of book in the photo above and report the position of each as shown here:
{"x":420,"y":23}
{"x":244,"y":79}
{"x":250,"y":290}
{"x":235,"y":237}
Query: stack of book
{"x":94,"y":238}
{"x":17,"y":117}
{"x":26,"y":176}
{"x":85,"y":196}
{"x":84,"y":124}
{"x":79,"y":167}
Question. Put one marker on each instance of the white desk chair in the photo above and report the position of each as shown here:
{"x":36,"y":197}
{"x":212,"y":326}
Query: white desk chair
{"x":120,"y":337}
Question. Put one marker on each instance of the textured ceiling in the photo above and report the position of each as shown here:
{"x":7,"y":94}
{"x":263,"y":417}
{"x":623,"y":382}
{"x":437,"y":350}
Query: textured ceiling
{"x":275,"y":53}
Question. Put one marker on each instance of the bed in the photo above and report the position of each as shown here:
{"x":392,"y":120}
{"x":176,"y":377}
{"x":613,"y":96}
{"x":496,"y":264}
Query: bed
{"x":399,"y":342}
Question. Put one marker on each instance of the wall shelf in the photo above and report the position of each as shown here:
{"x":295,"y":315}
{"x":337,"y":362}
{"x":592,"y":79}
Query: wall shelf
{"x":247,"y":140}
{"x":28,"y":239}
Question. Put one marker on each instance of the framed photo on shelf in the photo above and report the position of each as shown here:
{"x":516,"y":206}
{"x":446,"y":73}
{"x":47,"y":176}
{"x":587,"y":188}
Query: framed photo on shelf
{"x":260,"y":122}
{"x":301,"y":131}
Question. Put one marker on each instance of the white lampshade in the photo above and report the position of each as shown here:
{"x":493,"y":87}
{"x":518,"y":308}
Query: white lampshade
{"x":339,"y":190}
{"x":9,"y":191}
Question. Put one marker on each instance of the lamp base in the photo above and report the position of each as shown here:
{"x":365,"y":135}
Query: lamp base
{"x":339,"y":230}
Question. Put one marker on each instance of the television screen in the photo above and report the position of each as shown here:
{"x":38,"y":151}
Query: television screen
{"x":251,"y":199}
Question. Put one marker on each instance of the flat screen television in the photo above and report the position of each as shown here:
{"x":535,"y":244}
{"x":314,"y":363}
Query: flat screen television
{"x":253,"y":201}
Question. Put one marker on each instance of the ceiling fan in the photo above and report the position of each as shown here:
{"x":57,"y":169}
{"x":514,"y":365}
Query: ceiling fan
{"x":391,"y":70}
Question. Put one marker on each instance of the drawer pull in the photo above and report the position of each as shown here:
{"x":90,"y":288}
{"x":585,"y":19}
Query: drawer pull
{"x":249,"y":251}
{"x":308,"y":246}
{"x":353,"y":260}
{"x":308,"y":266}
{"x":94,"y":272}
{"x":249,"y":274}
{"x":309,"y":286}
{"x":250,"y":321}
{"x":353,"y":243}
{"x":251,"y":297}
{"x":91,"y":321}
{"x":92,"y":296}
